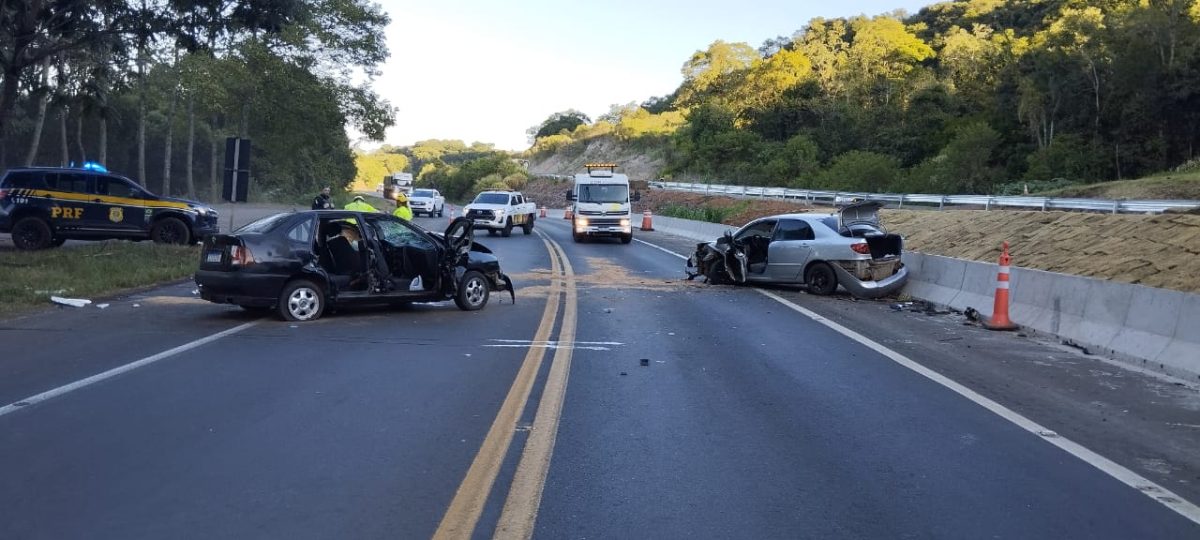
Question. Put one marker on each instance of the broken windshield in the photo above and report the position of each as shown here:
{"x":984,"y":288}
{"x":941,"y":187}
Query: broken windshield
{"x":603,"y":193}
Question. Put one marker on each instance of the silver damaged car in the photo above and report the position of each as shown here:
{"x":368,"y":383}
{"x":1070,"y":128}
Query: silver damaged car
{"x":848,"y":248}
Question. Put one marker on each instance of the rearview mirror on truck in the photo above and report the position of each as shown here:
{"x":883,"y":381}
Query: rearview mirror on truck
{"x":570,"y":194}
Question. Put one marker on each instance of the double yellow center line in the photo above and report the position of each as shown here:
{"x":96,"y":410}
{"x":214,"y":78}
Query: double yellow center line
{"x":525,"y":495}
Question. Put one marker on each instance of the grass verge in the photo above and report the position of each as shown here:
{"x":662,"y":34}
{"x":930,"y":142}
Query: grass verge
{"x":711,"y":214}
{"x":1164,"y":186}
{"x":29,"y":279}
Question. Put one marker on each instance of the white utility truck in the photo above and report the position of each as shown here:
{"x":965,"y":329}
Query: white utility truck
{"x":600,"y":203}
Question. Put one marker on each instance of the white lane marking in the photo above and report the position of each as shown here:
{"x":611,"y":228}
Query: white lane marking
{"x":660,"y":248}
{"x":1126,"y":476}
{"x":51,"y":394}
{"x":1132,"y":479}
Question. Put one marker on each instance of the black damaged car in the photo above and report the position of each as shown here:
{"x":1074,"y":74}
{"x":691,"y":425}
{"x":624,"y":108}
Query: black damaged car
{"x":304,"y":263}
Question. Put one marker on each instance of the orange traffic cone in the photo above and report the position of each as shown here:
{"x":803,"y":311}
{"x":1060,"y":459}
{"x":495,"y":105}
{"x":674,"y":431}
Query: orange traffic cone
{"x":647,"y":224}
{"x":543,"y":213}
{"x":567,"y":213}
{"x":1000,"y":320}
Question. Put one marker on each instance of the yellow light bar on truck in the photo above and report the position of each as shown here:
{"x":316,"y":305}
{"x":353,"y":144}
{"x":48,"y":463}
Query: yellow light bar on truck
{"x":604,"y":169}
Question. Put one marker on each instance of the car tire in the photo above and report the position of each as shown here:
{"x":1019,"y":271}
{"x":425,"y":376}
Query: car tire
{"x":58,"y":241}
{"x":508,"y":226}
{"x":821,"y":279}
{"x":473,"y":292}
{"x":170,"y":231}
{"x":491,"y":232}
{"x":528,"y":227}
{"x":301,"y":301}
{"x":578,"y":238}
{"x":441,"y":210}
{"x":32,"y":233}
{"x":626,"y":238}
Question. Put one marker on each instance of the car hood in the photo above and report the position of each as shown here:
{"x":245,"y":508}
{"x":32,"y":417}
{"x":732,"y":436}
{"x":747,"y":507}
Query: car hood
{"x":486,"y":206}
{"x":858,"y":214}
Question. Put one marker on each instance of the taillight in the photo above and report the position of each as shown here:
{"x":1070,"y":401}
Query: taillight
{"x":861,"y":247}
{"x":3,"y":194}
{"x":240,"y":256}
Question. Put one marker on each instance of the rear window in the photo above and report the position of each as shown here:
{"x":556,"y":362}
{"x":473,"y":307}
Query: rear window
{"x":24,"y":180}
{"x":71,"y":182}
{"x":263,"y":225}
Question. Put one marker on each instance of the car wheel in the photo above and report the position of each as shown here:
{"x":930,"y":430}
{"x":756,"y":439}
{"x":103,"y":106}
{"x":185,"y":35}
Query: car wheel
{"x":32,"y":233}
{"x":821,"y":280}
{"x":626,"y":238}
{"x":441,"y":210}
{"x":491,"y":232}
{"x":472,"y":292}
{"x":528,"y":227}
{"x":507,"y":232}
{"x":578,"y":238}
{"x":169,"y":231}
{"x":301,"y":300}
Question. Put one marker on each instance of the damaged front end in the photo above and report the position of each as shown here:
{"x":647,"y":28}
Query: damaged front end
{"x":723,"y":261}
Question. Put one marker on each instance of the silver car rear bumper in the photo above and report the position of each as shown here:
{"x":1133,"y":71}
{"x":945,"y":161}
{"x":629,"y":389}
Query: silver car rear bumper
{"x":871,"y":289}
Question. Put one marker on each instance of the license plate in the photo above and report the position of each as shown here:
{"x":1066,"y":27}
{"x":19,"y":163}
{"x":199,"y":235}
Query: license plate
{"x":213,"y":257}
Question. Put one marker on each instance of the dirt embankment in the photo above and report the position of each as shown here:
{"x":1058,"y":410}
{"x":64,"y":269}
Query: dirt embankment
{"x":635,"y":163}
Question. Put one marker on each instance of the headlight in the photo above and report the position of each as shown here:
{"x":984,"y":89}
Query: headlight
{"x":581,"y":224}
{"x":624,"y":223}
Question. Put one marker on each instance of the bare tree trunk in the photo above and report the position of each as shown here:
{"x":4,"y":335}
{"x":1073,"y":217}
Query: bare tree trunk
{"x":191,"y":145}
{"x":212,"y":169}
{"x":36,"y":138}
{"x":166,"y":185}
{"x":104,"y":136}
{"x":141,"y":131}
{"x":62,"y":132}
{"x":79,"y":137}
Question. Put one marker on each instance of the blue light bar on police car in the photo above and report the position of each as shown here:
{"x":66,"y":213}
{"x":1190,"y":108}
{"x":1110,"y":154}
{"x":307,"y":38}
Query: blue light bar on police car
{"x":93,"y":166}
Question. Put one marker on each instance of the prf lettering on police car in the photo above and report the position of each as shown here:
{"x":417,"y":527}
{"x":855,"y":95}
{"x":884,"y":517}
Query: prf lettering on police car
{"x":66,"y":213}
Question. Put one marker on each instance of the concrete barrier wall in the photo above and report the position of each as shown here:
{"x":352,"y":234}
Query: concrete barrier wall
{"x":1157,"y":328}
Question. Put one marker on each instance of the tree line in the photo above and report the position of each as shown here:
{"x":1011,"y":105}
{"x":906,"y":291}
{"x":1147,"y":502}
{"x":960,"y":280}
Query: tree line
{"x":972,"y":96}
{"x":459,"y":171}
{"x":151,"y":88}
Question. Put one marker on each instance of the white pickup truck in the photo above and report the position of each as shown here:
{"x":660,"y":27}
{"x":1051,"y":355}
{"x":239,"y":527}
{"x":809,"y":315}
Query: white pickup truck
{"x":427,"y":201}
{"x":500,"y":211}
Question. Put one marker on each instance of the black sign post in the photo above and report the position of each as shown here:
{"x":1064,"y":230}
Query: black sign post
{"x":237,"y":170}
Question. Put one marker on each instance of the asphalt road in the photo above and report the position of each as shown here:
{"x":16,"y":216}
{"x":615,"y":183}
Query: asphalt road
{"x":748,"y":419}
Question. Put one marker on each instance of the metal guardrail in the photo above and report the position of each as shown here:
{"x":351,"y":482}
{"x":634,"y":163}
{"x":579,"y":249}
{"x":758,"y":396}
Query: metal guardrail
{"x":941,"y":201}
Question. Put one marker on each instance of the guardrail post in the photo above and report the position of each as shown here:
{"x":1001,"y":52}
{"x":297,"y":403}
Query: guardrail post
{"x":987,"y":205}
{"x":942,"y":203}
{"x":1116,"y":207}
{"x":1044,"y":201}
{"x":901,"y":205}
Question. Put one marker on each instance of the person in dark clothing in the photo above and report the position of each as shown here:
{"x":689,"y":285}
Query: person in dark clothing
{"x":323,"y":201}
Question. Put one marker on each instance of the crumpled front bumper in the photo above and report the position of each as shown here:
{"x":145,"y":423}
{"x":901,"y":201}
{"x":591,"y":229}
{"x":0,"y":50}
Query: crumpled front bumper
{"x":871,"y":289}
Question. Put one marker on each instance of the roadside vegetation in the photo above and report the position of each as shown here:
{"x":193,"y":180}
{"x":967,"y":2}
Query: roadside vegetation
{"x":972,"y":96}
{"x":455,"y":169}
{"x":151,"y":89}
{"x":29,"y":278}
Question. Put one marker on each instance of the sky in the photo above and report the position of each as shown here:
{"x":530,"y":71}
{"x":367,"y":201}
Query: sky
{"x":486,"y":71}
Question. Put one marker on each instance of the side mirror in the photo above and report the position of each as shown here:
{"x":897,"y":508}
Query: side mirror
{"x":571,"y":195}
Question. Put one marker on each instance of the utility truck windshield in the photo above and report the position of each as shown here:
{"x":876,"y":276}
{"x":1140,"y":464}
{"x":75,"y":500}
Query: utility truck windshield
{"x":603,"y":193}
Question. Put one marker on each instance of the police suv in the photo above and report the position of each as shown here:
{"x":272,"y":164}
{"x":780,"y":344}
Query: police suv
{"x":46,"y":206}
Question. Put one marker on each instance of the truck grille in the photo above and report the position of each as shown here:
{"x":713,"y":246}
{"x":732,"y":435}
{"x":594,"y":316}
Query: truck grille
{"x":486,"y":215}
{"x":604,"y":222}
{"x":601,"y":213}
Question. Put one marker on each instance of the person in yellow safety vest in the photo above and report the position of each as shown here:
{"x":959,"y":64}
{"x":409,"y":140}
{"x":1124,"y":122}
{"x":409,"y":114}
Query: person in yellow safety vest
{"x":402,"y":209}
{"x":360,"y":205}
